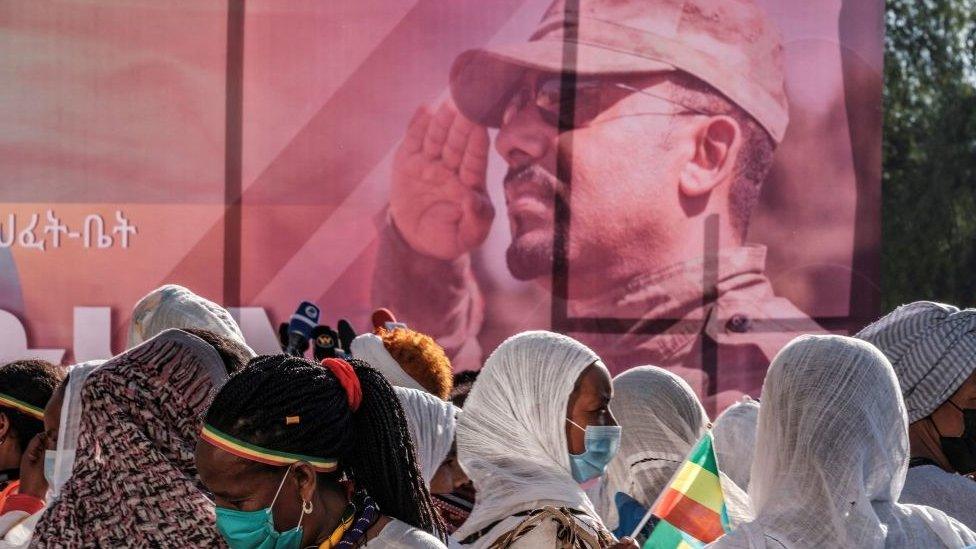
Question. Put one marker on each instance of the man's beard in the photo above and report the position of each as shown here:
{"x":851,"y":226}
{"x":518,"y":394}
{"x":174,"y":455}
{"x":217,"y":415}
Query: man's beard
{"x":530,"y":256}
{"x":529,"y":261}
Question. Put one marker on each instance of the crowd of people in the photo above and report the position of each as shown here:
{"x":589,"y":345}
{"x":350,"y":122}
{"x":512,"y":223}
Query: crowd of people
{"x":187,"y":439}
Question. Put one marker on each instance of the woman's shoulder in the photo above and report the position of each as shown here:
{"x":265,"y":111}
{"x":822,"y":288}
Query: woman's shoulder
{"x":542,"y":528}
{"x":400,"y":535}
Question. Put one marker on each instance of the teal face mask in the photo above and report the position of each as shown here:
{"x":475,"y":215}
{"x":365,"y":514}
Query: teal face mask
{"x":256,"y":529}
{"x":601,"y":444}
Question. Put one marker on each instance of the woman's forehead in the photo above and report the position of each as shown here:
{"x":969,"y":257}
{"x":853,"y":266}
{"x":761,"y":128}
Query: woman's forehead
{"x":595,"y":382}
{"x":219,"y":467}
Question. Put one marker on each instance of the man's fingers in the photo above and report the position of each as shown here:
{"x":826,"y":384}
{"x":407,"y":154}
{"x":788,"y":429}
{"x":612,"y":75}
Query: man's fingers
{"x":437,"y":131}
{"x":457,"y":141}
{"x":417,"y":129}
{"x":474,"y":161}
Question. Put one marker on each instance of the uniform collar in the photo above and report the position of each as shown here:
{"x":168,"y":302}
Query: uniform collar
{"x":676,"y":290}
{"x":674,"y":293}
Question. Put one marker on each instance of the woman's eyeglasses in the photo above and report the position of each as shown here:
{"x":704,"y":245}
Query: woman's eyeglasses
{"x":591,"y":98}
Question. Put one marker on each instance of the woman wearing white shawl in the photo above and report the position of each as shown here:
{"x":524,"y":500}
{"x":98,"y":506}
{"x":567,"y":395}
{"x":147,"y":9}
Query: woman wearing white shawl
{"x":173,"y":306}
{"x":512,"y":442}
{"x":735,"y":440}
{"x":662,"y":419}
{"x":432,"y":423}
{"x":831,"y":456}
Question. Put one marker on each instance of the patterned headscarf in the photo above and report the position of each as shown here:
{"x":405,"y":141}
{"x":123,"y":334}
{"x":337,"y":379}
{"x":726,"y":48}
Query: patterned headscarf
{"x":931,"y":347}
{"x":173,"y":306}
{"x":134,"y":482}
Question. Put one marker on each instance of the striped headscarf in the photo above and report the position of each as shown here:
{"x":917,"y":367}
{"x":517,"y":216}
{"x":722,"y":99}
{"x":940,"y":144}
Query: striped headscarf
{"x":134,"y":482}
{"x":932,"y":347}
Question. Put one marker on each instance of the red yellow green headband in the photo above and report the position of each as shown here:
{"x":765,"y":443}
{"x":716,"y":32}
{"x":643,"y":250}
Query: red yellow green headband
{"x":21,"y":406}
{"x":251,"y":452}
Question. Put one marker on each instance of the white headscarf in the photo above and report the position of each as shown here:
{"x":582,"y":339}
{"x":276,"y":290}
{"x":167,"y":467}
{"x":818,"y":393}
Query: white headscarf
{"x":511,"y":437}
{"x":432,"y":423}
{"x":661,"y":419}
{"x":931,"y":347}
{"x":369,"y":347}
{"x":70,"y":423}
{"x":831,"y":455}
{"x":735,"y":440}
{"x":173,"y":306}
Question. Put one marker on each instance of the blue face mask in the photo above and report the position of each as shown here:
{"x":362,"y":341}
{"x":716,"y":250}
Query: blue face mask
{"x":256,"y":529}
{"x":49,"y":459}
{"x":601,"y":443}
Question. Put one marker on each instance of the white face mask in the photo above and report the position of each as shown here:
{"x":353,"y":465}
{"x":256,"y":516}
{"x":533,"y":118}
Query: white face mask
{"x":50,"y":458}
{"x":51,"y":468}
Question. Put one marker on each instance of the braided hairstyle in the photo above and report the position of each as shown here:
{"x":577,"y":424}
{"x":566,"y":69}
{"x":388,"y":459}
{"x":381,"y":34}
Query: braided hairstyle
{"x":372,"y":444}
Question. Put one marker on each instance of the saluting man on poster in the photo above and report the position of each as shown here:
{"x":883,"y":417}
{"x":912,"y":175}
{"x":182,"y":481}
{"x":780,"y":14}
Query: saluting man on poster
{"x":679,"y":106}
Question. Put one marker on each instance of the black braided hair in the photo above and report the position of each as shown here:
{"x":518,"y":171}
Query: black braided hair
{"x":33,"y":382}
{"x":373,"y":444}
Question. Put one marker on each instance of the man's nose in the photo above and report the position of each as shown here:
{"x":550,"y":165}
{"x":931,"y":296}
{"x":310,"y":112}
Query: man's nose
{"x":525,"y":139}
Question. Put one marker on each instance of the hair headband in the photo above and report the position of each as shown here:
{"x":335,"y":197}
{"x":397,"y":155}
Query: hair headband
{"x":267,"y":456}
{"x":348,"y":379}
{"x":21,"y":406}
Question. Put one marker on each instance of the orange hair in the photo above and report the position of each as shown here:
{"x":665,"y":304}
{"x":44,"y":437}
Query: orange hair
{"x":421,"y":358}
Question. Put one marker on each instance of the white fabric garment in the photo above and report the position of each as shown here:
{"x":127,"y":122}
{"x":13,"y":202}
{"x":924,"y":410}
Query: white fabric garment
{"x":953,"y":494}
{"x":432,"y":423}
{"x":69,"y":424}
{"x":661,"y":419}
{"x":735,"y":440}
{"x":831,"y":456}
{"x":173,"y":306}
{"x":17,"y":529}
{"x":931,"y":347}
{"x":511,"y":438}
{"x":369,"y":347}
{"x":400,"y":535}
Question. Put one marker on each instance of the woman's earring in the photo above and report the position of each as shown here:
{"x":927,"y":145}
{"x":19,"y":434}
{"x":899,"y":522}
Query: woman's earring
{"x":306,"y":507}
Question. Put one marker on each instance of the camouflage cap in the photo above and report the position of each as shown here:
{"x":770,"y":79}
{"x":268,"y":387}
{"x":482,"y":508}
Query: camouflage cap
{"x":729,"y":44}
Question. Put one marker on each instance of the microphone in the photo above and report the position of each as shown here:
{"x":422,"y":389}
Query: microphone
{"x":325,"y":344}
{"x":383,"y":318}
{"x":300,"y":327}
{"x":346,"y":335}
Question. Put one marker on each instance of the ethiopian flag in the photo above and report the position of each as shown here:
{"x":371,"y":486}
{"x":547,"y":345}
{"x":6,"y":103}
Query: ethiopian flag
{"x":691,"y":511}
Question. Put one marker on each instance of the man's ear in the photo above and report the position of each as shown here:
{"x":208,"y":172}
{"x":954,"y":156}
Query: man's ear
{"x":717,"y":145}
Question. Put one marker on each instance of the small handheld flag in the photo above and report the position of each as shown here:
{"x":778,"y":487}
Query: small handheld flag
{"x":691,"y":511}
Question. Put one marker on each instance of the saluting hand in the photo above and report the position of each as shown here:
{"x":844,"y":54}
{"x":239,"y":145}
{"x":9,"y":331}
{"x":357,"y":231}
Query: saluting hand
{"x":438,"y":199}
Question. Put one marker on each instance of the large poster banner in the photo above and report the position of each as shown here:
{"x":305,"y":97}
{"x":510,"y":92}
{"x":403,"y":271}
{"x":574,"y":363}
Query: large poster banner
{"x":685,"y":183}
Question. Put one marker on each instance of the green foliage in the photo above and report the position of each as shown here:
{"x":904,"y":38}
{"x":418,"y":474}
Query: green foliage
{"x":929,"y":182}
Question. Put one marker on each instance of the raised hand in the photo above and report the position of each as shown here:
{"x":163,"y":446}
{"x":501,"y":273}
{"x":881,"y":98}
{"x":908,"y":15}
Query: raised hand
{"x":438,"y":199}
{"x":32,"y":481}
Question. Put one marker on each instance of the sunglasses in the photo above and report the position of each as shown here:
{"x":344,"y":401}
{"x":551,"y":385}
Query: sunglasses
{"x":592,"y":97}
